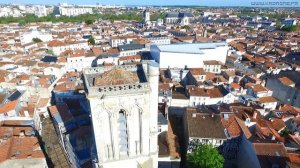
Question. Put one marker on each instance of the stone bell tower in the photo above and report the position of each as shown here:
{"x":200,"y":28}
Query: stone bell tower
{"x":123,"y":102}
{"x":146,"y":16}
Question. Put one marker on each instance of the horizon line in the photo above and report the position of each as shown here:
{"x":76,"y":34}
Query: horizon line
{"x":179,"y":5}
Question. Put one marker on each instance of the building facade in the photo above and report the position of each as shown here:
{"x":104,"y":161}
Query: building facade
{"x":28,"y":36}
{"x":124,"y":103}
{"x":188,"y":55}
{"x":70,"y":10}
{"x":182,"y":18}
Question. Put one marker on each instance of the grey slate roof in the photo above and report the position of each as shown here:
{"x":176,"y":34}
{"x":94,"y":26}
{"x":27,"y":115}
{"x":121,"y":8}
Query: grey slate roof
{"x":14,"y":96}
{"x":130,"y":47}
{"x":179,"y":15}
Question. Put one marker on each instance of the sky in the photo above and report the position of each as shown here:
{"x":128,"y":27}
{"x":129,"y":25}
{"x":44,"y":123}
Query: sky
{"x":149,"y":2}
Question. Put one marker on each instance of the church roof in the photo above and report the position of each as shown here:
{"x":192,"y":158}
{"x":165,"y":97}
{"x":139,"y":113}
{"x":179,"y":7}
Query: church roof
{"x":179,"y":14}
{"x":117,"y":76}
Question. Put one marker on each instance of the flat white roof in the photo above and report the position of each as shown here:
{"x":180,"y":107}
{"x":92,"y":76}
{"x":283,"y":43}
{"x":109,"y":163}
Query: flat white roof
{"x":195,"y":48}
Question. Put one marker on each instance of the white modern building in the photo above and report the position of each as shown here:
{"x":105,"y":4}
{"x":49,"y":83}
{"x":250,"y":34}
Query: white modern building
{"x":124,"y":105}
{"x":188,"y":55}
{"x":130,"y":49}
{"x":158,"y":40}
{"x":78,"y":63}
{"x":28,"y":36}
{"x":40,"y":10}
{"x":70,"y":10}
{"x":115,"y":41}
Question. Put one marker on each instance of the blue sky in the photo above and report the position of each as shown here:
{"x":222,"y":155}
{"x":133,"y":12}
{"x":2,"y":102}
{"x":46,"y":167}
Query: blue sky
{"x":139,"y":2}
{"x":150,"y":2}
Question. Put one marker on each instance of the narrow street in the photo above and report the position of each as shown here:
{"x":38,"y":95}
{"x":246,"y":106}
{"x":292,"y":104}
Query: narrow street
{"x":56,"y":156}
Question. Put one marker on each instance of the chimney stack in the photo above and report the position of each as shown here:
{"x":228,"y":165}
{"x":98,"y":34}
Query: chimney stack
{"x":255,"y":114}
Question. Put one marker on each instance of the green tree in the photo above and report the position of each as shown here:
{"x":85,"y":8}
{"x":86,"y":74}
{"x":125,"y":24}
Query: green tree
{"x":186,"y":27}
{"x":155,"y":16}
{"x":22,"y":22}
{"x":88,"y":18}
{"x":285,"y":132}
{"x":278,"y":23}
{"x":289,"y":28}
{"x":91,"y":40}
{"x":50,"y":52}
{"x":89,"y":21}
{"x":36,"y":40}
{"x":205,"y":156}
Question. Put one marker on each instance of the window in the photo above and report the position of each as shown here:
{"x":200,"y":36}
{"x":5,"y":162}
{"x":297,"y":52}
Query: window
{"x":122,"y":131}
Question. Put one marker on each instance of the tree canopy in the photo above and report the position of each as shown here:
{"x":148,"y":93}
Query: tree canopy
{"x":89,"y":21}
{"x":155,"y":16}
{"x":289,"y":28}
{"x":30,"y":18}
{"x":50,"y":52}
{"x":285,"y":132}
{"x":92,"y":40}
{"x":205,"y":156}
{"x":36,"y":40}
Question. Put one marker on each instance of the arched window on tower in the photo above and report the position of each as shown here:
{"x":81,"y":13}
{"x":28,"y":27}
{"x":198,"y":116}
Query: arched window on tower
{"x":123,"y":134}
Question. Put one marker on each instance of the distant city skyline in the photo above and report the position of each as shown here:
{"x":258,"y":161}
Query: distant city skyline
{"x":158,"y":2}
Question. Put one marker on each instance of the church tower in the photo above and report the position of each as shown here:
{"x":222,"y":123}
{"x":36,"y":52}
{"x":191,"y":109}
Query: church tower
{"x":146,"y":15}
{"x":123,"y":102}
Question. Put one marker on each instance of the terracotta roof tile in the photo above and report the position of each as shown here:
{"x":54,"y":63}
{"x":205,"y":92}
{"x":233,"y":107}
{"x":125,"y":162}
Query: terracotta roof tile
{"x":268,"y":99}
{"x":197,"y":71}
{"x":270,"y":154}
{"x":55,"y":43}
{"x":8,"y":106}
{"x":259,"y":88}
{"x":286,"y":81}
{"x":232,"y":126}
{"x":235,"y":85}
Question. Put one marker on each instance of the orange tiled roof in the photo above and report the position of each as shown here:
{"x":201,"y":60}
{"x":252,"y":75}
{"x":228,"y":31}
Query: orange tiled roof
{"x":20,"y":148}
{"x":197,"y":71}
{"x":55,"y":43}
{"x":259,"y":88}
{"x":268,"y":99}
{"x":9,"y":106}
{"x":232,"y":126}
{"x":286,"y":81}
{"x":235,"y":85}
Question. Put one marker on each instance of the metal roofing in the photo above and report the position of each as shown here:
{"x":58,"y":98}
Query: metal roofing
{"x":49,"y":59}
{"x":194,"y":48}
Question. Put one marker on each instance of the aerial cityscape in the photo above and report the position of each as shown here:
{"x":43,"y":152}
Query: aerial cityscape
{"x":150,"y":84}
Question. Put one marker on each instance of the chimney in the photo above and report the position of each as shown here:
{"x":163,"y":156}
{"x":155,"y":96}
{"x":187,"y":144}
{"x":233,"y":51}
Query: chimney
{"x":248,"y":103}
{"x":67,"y":85}
{"x":254,"y":114}
{"x":22,"y":133}
{"x":226,"y":117}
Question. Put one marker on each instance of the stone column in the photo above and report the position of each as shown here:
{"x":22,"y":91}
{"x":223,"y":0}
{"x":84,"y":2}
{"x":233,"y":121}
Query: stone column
{"x":153,"y":73}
